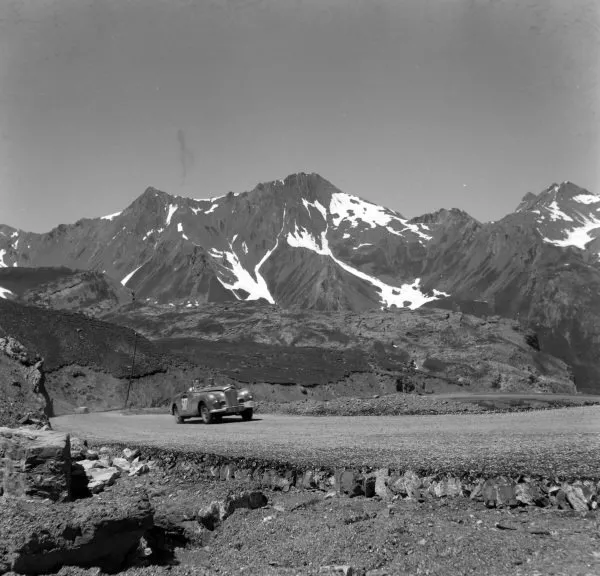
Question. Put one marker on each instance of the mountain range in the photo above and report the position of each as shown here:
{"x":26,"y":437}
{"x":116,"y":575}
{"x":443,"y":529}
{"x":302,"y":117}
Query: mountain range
{"x":301,"y":243}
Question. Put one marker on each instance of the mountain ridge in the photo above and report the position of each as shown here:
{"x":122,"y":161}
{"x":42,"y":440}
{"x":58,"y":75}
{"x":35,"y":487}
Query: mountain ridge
{"x":302,"y":242}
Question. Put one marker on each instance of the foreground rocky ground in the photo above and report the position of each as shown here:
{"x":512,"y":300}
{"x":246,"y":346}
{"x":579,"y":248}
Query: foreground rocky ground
{"x":173,"y":516}
{"x":309,"y":533}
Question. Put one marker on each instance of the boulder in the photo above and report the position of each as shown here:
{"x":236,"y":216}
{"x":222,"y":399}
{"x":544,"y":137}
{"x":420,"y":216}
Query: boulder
{"x":348,"y":482}
{"x":89,"y":464}
{"x":499,"y":492}
{"x":139,"y":469}
{"x":382,"y":477}
{"x":577,"y":498}
{"x":448,"y":487}
{"x":40,"y":538}
{"x":530,"y":494}
{"x":122,"y":464}
{"x":408,"y":484}
{"x":100,"y":478}
{"x":78,"y":448}
{"x":35,"y":463}
{"x":217,"y":511}
{"x":131,"y":454}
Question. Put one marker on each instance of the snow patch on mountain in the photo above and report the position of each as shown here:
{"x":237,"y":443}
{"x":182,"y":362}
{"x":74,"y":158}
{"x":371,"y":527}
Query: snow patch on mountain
{"x":2,"y":263}
{"x":362,"y":244}
{"x":256,"y":288}
{"x":4,"y":292}
{"x":14,"y":234}
{"x":406,"y":294}
{"x":211,"y":199}
{"x":390,"y":295}
{"x":586,"y":199}
{"x":180,"y":229}
{"x":579,"y":236}
{"x":301,"y":238}
{"x":130,"y":275}
{"x":212,"y":208}
{"x":352,"y":208}
{"x":557,"y":214}
{"x":345,"y":207}
{"x":413,"y":228}
{"x":148,"y":234}
{"x":111,"y":216}
{"x":172,"y":210}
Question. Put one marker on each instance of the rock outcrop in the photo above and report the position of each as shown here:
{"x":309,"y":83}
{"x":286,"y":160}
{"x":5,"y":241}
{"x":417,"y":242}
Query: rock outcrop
{"x":40,"y":538}
{"x":23,"y":397}
{"x":35,"y":463}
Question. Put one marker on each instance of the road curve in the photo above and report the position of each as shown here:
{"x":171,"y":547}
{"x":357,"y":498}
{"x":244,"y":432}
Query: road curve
{"x":563,"y":442}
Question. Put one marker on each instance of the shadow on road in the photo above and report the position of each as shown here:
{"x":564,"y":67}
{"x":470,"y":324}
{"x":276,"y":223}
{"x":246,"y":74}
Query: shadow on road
{"x":223,"y":421}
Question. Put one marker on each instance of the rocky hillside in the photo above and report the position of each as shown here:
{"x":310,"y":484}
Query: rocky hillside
{"x":255,"y":342}
{"x":88,"y":362}
{"x":301,"y":242}
{"x":64,"y":289}
{"x":23,"y":396}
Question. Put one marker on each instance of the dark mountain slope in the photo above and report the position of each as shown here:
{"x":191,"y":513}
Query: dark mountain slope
{"x":63,"y":288}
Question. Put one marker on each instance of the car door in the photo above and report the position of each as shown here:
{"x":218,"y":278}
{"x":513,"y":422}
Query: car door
{"x":185,"y":404}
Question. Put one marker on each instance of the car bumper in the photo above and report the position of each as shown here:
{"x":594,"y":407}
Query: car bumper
{"x":233,"y":409}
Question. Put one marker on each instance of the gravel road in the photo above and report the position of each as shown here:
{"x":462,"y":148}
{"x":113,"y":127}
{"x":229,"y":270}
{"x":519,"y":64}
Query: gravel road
{"x":563,"y":442}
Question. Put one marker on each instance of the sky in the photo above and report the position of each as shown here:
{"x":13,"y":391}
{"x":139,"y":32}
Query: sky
{"x":412,"y":104}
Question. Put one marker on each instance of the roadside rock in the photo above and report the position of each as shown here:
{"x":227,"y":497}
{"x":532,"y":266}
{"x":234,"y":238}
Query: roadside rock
{"x":130,"y":454}
{"x":448,"y":487}
{"x":219,"y":510}
{"x":576,"y":498}
{"x":87,"y":464}
{"x":382,"y":477}
{"x":348,"y":482}
{"x":36,"y":463}
{"x":122,"y":464}
{"x":530,"y":494}
{"x":408,"y":485}
{"x":499,"y":492}
{"x":39,"y":538}
{"x":139,"y":469}
{"x":79,"y":448}
{"x":100,"y":478}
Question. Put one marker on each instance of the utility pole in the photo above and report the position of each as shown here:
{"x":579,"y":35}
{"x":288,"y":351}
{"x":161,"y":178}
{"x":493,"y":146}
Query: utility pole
{"x":132,"y":368}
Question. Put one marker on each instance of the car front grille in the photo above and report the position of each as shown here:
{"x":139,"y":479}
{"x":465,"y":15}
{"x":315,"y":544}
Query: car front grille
{"x":231,"y":396}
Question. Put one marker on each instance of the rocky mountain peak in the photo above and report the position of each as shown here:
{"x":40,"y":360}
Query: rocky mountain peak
{"x":445,"y":215}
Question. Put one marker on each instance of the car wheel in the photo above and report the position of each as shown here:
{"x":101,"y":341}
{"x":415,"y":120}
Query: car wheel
{"x":247,"y":414}
{"x":206,"y":416}
{"x":177,"y":416}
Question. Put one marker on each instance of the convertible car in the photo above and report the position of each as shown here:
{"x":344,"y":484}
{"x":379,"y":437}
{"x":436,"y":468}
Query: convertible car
{"x":212,"y":402}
